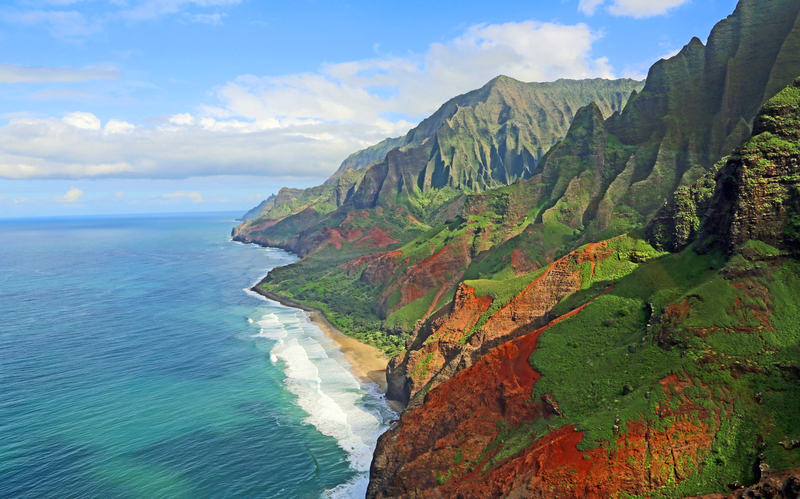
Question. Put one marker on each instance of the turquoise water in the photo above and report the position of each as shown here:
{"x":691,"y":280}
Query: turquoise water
{"x":133,"y":364}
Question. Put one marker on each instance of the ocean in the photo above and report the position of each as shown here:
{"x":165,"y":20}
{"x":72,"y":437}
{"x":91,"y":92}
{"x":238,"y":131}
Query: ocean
{"x":134,"y":363}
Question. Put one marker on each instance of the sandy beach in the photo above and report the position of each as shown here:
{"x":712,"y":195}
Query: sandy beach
{"x":367,"y":362}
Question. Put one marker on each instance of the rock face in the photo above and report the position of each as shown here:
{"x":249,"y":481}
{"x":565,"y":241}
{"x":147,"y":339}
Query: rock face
{"x":701,"y":354}
{"x":758,"y":190}
{"x":480,"y":140}
{"x":488,"y":138}
{"x":444,"y":448}
{"x":753,"y":194}
{"x":450,"y":343}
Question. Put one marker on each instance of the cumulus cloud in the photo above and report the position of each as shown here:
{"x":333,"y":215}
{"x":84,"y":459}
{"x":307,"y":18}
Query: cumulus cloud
{"x":118,"y":126}
{"x":84,"y":121}
{"x":298,"y":124}
{"x":528,"y":51}
{"x":193,"y":196}
{"x":71,"y":196}
{"x":11,"y":73}
{"x":633,"y":8}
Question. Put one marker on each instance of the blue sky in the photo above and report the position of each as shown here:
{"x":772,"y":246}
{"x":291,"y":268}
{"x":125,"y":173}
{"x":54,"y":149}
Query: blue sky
{"x":134,"y":106}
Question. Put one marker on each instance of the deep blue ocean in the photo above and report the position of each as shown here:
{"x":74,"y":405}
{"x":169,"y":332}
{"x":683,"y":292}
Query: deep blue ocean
{"x":134,"y":364}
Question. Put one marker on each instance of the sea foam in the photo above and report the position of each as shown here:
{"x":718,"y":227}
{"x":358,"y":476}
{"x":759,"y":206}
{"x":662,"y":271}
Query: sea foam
{"x":337,"y":403}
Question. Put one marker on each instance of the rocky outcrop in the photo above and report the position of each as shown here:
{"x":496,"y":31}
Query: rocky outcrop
{"x":785,"y":485}
{"x":752,"y":195}
{"x":448,"y":446}
{"x":757,"y":195}
{"x":451,"y":343}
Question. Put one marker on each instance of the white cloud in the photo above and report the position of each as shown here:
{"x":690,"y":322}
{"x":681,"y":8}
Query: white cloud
{"x":118,"y":126}
{"x":356,"y":91}
{"x":11,"y":73}
{"x":182,"y":119}
{"x":633,"y":8}
{"x":119,"y":195}
{"x":74,"y":194}
{"x":589,"y":6}
{"x":84,"y":121}
{"x":299,"y":124}
{"x":193,"y":196}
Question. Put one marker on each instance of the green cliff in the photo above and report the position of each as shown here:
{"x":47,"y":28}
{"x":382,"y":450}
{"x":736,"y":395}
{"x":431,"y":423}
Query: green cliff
{"x":655,"y":375}
{"x":480,"y":140}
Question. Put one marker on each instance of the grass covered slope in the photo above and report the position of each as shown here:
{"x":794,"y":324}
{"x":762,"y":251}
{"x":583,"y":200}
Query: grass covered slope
{"x":610,"y":176}
{"x":507,"y":124}
{"x":655,"y":375}
{"x":477,"y":141}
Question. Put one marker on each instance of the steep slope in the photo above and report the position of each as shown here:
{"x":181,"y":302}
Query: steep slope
{"x":662,"y":375}
{"x":489,"y":137}
{"x":695,"y":108}
{"x":366,"y":157}
{"x":753,"y":194}
{"x":607,"y":177}
{"x":480,"y":140}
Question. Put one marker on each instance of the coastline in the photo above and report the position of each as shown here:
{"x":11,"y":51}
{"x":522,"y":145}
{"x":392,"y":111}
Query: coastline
{"x":367,"y":362}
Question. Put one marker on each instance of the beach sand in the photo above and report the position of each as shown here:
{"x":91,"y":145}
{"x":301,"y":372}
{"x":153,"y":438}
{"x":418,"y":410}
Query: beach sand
{"x":367,"y":362}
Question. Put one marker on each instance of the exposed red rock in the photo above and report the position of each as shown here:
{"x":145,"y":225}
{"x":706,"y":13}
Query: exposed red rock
{"x":446,"y":266}
{"x":445,"y":339}
{"x":376,"y":238}
{"x":440,"y":448}
{"x":377,"y":267}
{"x":522,"y":264}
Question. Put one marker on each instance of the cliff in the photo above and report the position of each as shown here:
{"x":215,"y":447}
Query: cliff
{"x":612,"y":176}
{"x":480,"y":140}
{"x":655,"y":374}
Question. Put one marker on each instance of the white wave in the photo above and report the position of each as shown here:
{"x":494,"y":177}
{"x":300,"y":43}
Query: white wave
{"x":353,"y":488}
{"x":249,"y":320}
{"x":337,"y":403}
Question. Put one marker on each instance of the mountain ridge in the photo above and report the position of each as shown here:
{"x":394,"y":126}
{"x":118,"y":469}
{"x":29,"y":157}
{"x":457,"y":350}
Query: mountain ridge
{"x":433,"y":154}
{"x":661,"y":375}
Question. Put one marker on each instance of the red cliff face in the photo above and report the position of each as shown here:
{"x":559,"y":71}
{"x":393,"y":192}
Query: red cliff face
{"x":443,"y":347}
{"x":445,"y":447}
{"x":375,"y":268}
{"x":440,"y":271}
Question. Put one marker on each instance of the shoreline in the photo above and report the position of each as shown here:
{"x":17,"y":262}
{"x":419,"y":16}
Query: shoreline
{"x":367,"y":362}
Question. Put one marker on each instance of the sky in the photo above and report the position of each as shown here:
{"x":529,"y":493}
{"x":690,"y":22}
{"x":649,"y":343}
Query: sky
{"x":157,"y":106}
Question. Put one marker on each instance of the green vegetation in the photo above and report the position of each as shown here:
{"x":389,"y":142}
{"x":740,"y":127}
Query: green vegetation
{"x":406,"y":317}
